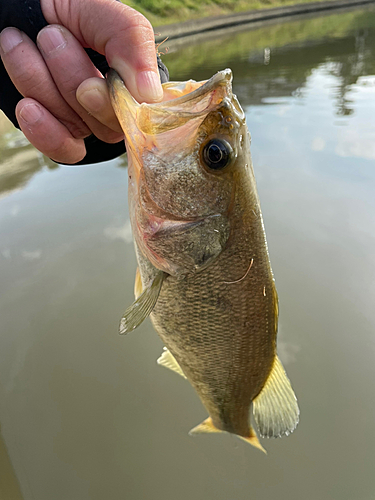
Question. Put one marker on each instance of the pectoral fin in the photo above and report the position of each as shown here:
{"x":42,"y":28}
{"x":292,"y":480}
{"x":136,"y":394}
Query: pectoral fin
{"x":276,"y":409}
{"x":207,"y":426}
{"x":169,"y":361}
{"x":142,"y":307}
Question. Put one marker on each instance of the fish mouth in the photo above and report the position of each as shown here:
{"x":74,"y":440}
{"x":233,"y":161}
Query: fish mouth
{"x":184,"y":103}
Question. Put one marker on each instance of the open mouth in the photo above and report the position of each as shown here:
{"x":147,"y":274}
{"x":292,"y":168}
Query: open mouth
{"x":183,"y":101}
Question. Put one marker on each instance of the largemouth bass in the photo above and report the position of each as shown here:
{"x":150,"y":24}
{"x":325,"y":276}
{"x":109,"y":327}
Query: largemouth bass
{"x":204,"y":273}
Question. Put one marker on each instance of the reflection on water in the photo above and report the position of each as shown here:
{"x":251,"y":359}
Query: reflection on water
{"x":19,"y":160}
{"x":86,"y":414}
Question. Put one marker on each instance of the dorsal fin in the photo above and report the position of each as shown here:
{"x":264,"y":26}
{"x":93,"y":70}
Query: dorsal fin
{"x":169,"y":361}
{"x":276,"y":409}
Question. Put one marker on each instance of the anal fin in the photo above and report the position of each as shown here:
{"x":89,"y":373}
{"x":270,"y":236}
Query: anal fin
{"x":276,"y":409}
{"x":169,"y":361}
{"x":207,"y":426}
{"x":253,"y":440}
{"x":142,"y":306}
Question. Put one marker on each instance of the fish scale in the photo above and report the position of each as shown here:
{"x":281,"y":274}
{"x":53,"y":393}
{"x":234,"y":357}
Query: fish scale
{"x":222,"y":348}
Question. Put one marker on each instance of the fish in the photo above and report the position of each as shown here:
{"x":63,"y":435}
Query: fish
{"x":204,"y":274}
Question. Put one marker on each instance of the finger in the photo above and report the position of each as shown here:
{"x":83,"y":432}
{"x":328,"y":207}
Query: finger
{"x":47,"y":134}
{"x":69,"y":66}
{"x":93,"y":95}
{"x":119,"y":32}
{"x":29,"y":73}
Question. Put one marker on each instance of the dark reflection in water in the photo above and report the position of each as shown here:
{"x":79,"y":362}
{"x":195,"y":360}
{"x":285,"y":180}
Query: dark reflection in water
{"x":88,"y":415}
{"x":19,"y":160}
{"x":264,"y":67}
{"x":347,"y":59}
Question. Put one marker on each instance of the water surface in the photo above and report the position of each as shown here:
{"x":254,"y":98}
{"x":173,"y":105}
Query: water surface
{"x":86,"y":414}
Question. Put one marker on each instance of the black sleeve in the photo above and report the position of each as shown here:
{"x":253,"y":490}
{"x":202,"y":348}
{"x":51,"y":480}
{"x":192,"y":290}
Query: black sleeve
{"x":27,"y":16}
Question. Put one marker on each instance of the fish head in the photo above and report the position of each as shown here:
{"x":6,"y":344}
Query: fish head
{"x":185,"y":158}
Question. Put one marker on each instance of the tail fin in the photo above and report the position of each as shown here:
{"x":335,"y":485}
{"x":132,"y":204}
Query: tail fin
{"x":208,"y":426}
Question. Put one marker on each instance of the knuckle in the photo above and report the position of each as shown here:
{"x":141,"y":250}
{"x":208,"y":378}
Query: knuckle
{"x":139,"y":33}
{"x":109,"y":136}
{"x":67,"y":152}
{"x":26,"y":80}
{"x":56,"y":152}
{"x":24,"y":66}
{"x":140,"y":38}
{"x":65,"y":82}
{"x":78,"y":129}
{"x":137,"y":20}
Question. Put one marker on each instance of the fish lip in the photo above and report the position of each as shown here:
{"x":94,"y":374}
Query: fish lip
{"x":122,"y":99}
{"x":221,"y":78}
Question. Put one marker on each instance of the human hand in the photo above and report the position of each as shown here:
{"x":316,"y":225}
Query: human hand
{"x":54,"y":115}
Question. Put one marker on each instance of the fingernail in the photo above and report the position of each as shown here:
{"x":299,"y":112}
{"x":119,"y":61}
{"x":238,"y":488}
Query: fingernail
{"x":30,"y":113}
{"x":51,"y":39}
{"x":92,"y":100}
{"x":10,"y":38}
{"x":149,"y":86}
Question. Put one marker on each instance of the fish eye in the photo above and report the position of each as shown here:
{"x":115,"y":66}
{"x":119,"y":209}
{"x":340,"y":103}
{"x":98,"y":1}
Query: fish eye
{"x":216,"y":154}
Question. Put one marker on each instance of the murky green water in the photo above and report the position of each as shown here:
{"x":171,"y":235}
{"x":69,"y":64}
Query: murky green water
{"x":88,"y":415}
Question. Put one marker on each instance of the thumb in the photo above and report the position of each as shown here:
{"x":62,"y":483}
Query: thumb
{"x":122,"y":34}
